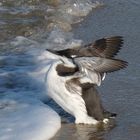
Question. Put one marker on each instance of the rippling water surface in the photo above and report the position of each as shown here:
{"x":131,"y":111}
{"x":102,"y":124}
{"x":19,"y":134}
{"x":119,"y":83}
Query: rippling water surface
{"x":28,"y":27}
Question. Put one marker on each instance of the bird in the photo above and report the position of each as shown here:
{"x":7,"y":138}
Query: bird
{"x":104,"y":47}
{"x":74,"y":73}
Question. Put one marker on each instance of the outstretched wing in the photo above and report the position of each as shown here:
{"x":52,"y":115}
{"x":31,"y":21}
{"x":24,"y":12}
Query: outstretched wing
{"x":94,"y":59}
{"x":95,"y":67}
{"x":105,"y":47}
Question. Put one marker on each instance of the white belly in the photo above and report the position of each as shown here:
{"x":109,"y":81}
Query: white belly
{"x":72,"y":103}
{"x":68,"y":101}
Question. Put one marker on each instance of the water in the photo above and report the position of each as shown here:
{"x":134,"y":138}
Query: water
{"x":27,"y":28}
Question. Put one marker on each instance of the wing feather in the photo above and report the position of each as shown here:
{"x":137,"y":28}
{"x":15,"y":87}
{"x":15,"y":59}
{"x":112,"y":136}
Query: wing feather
{"x":96,"y":67}
{"x":105,"y":47}
{"x":101,"y":65}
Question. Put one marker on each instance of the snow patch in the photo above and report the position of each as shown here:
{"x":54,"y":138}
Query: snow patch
{"x":24,"y":118}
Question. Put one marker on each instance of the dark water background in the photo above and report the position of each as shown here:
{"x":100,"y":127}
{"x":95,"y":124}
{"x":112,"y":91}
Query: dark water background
{"x":120,"y":91}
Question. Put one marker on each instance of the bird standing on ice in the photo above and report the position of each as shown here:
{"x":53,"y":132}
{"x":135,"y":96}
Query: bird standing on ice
{"x":74,"y":73}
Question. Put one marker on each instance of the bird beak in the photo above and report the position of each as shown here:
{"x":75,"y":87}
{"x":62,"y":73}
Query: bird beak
{"x":52,"y":51}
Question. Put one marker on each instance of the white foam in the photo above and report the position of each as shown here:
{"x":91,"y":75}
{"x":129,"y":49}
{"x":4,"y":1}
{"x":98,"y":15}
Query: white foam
{"x":61,"y":40}
{"x":82,"y":7}
{"x":71,"y":11}
{"x":24,"y":118}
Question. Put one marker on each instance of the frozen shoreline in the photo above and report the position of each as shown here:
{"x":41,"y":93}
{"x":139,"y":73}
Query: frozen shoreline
{"x":25,"y":118}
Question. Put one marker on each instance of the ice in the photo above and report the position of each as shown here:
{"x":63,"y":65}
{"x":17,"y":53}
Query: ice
{"x":25,"y":118}
{"x":27,"y":77}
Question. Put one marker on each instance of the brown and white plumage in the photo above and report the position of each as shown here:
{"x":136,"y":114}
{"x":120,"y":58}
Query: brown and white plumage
{"x":73,"y":103}
{"x":96,"y":67}
{"x":105,"y":47}
{"x":76,"y":71}
{"x":96,"y":59}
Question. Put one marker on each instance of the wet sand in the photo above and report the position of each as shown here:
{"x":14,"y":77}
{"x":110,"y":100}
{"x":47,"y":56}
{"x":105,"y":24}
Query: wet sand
{"x":121,"y":91}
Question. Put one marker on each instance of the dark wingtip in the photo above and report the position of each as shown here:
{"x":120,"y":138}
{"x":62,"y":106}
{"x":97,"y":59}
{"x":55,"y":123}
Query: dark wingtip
{"x":107,"y":47}
{"x":115,"y":44}
{"x":124,"y":64}
{"x":114,"y":65}
{"x":120,"y":64}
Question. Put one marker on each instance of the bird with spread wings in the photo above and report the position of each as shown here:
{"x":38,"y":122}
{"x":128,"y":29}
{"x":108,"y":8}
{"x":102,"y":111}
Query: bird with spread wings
{"x":90,"y":64}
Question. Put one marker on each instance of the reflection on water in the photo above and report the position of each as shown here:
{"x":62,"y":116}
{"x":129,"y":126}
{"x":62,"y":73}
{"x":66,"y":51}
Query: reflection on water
{"x":71,"y":131}
{"x":81,"y":132}
{"x":78,"y":132}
